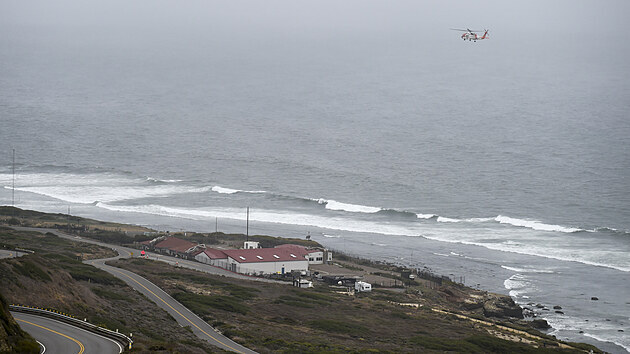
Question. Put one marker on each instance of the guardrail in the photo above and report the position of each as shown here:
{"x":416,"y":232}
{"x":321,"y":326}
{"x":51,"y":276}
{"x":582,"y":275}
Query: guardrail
{"x":118,"y":337}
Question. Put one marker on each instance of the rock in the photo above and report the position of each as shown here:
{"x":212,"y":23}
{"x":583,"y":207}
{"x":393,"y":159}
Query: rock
{"x":560,"y":312}
{"x":540,"y":306}
{"x":540,"y":324}
{"x":594,"y":298}
{"x":557,"y":307}
{"x":502,"y":307}
{"x":620,"y":330}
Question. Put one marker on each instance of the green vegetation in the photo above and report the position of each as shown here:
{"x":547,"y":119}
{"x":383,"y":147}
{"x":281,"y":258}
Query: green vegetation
{"x":54,"y":278}
{"x":12,"y":338}
{"x":200,"y":303}
{"x":336,"y":326}
{"x":476,"y":344}
{"x":30,"y":270}
{"x":267,"y":317}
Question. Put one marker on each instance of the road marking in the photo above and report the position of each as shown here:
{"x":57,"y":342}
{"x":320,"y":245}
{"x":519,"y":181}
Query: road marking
{"x":179,"y":313}
{"x":43,"y":347}
{"x":82,"y":348}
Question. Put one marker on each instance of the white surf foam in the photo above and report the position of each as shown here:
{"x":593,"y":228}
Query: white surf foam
{"x":599,"y":330}
{"x":353,"y":208}
{"x":518,"y":285}
{"x":443,"y":219}
{"x":151,"y":179}
{"x":224,"y":190}
{"x":425,"y":216}
{"x":523,"y":270}
{"x":535,"y":225}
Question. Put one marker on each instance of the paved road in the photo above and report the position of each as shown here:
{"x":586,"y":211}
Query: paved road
{"x":182,"y":315}
{"x":10,"y":254}
{"x":126,"y":252}
{"x":60,"y":337}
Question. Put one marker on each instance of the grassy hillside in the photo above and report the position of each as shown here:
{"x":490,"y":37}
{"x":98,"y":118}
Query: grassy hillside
{"x":54,"y":278}
{"x":12,"y":338}
{"x":277,"y":318}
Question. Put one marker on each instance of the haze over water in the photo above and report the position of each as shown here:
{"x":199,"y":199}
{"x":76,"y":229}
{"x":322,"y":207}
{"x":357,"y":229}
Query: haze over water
{"x":372,"y":126}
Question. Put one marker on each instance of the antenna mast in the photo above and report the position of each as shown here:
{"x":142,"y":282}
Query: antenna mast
{"x":13,"y":188}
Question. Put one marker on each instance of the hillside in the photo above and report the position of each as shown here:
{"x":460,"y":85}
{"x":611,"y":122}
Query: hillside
{"x":12,"y":338}
{"x":268,"y":318}
{"x":54,"y":278}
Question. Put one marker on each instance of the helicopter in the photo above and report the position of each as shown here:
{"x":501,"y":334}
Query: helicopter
{"x":471,"y":35}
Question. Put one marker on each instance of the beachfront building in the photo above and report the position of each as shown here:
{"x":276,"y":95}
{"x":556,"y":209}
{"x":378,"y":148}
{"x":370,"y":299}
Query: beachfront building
{"x":212,"y":256}
{"x":177,"y":247}
{"x":265,"y":261}
{"x":313,"y":255}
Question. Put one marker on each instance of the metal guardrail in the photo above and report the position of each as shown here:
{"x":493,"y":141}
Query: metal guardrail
{"x":118,"y":337}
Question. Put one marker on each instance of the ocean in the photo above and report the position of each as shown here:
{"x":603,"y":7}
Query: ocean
{"x":502,"y":164}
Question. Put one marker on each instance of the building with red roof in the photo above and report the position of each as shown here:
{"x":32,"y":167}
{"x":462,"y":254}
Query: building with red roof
{"x":265,"y":260}
{"x":212,"y":256}
{"x":177,"y":247}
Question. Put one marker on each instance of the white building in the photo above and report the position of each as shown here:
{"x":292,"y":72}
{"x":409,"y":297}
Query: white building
{"x":212,"y":256}
{"x":265,"y":261}
{"x":362,"y":286}
{"x":314,"y":256}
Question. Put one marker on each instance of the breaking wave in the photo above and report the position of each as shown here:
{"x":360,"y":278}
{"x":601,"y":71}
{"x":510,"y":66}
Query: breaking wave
{"x":535,"y":225}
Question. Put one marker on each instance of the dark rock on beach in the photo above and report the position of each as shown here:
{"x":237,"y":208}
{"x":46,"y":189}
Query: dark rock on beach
{"x":540,"y":324}
{"x":502,"y":307}
{"x":594,"y":298}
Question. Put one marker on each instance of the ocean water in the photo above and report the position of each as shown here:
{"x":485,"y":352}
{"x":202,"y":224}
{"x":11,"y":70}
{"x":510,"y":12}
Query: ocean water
{"x":502,"y":164}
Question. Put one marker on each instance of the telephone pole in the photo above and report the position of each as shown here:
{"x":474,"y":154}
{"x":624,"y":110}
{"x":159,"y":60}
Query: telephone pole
{"x":13,"y":188}
{"x":247,"y":234}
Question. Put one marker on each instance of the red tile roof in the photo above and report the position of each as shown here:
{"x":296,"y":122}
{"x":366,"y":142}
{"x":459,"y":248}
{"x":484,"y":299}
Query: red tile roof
{"x":175,"y":244}
{"x":215,"y":254}
{"x":257,"y":255}
{"x":297,"y":248}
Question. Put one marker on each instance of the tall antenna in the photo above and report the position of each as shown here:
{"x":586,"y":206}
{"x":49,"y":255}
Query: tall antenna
{"x":13,"y":188}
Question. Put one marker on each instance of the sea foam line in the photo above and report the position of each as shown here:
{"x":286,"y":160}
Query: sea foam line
{"x":535,"y":225}
{"x":223,"y":190}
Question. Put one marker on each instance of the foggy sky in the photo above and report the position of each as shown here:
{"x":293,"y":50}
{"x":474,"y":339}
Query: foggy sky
{"x":419,"y":18}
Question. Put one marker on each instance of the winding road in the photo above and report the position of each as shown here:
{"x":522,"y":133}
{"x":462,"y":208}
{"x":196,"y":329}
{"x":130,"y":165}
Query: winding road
{"x":182,"y":315}
{"x":60,"y":337}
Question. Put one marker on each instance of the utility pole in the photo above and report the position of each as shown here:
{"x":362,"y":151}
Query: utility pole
{"x":216,"y":224}
{"x":247,"y":234}
{"x":13,"y":188}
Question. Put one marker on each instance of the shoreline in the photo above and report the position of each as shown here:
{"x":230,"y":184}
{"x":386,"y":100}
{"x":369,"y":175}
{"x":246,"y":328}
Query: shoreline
{"x":439,"y":256}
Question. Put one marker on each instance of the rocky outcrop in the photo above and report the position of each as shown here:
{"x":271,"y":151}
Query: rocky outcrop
{"x":540,"y":324}
{"x":502,"y":307}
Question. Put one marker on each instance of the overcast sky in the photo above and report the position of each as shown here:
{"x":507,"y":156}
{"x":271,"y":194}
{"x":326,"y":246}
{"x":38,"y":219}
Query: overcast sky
{"x":573,"y":17}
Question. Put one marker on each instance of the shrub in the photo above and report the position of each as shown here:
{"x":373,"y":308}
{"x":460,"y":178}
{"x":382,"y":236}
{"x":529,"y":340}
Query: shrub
{"x":339,"y":327}
{"x":200,"y":303}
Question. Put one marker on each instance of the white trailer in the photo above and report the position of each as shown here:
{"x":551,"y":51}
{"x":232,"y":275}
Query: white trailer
{"x":362,"y":286}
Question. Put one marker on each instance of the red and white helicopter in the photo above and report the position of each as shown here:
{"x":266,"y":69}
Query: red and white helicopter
{"x":471,"y":35}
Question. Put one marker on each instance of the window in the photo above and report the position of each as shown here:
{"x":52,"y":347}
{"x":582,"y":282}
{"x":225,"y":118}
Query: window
{"x":276,"y":256}
{"x":259,"y":257}
{"x":241,"y":257}
{"x":293,"y":256}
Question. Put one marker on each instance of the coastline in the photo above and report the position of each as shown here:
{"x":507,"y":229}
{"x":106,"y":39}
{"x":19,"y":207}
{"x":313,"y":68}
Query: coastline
{"x":435,"y":256}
